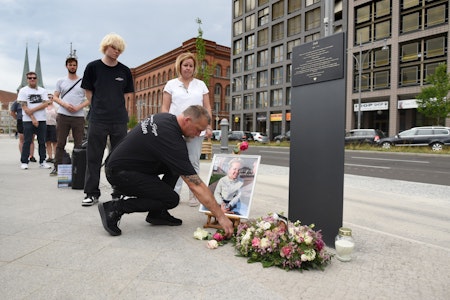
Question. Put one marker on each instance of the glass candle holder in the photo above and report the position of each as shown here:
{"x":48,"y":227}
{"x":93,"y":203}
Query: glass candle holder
{"x":344,"y":244}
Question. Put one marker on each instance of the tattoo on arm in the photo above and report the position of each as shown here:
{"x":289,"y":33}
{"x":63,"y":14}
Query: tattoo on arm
{"x":195,"y":179}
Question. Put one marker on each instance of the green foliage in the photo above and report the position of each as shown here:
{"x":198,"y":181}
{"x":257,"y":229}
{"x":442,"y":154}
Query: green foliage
{"x":204,"y":72}
{"x":432,"y":100}
{"x":132,"y":122}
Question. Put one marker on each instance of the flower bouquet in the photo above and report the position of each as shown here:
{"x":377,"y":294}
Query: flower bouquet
{"x":275,"y":241}
{"x":242,"y":146}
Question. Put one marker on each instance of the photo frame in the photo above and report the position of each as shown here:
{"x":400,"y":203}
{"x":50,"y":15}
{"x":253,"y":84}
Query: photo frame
{"x":233,"y":192}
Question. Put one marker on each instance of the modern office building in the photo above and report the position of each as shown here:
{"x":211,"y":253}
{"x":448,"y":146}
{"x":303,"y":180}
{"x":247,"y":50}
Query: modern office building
{"x":151,"y":77}
{"x":263,"y":35}
{"x":398,"y":42}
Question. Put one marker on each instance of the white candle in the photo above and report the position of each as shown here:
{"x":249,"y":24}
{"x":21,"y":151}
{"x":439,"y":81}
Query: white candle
{"x":344,"y":249}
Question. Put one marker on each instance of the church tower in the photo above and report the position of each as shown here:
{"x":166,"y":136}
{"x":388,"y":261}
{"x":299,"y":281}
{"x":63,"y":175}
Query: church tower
{"x":38,"y":69}
{"x":26,"y":69}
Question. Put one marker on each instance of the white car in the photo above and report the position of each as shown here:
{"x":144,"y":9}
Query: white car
{"x":216,"y":134}
{"x":260,"y":137}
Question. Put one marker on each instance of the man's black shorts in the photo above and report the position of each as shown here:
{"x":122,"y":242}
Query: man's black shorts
{"x":19,"y":126}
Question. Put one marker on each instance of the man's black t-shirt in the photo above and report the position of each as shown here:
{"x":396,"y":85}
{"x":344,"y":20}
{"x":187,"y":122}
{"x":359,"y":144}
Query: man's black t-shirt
{"x":108,"y":86}
{"x":155,"y":146}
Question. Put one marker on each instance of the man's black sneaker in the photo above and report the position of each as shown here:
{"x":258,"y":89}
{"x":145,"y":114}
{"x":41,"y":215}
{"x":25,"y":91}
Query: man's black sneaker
{"x":54,"y":172}
{"x":32,"y":159}
{"x":110,"y":217}
{"x":163,"y":219}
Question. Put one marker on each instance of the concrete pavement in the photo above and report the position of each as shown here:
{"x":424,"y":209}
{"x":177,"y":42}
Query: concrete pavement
{"x":53,"y":248}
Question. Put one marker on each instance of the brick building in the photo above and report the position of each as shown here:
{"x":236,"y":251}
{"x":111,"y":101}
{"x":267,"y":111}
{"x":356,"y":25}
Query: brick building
{"x":151,"y":77}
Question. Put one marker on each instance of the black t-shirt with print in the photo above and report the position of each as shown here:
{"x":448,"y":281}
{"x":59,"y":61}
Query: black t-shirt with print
{"x":155,"y":146}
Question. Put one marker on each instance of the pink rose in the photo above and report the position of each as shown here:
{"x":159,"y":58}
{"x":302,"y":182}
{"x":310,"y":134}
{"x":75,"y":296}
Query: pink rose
{"x":285,"y":251}
{"x":218,"y":236}
{"x":255,"y":242}
{"x":212,"y":244}
{"x":243,"y":146}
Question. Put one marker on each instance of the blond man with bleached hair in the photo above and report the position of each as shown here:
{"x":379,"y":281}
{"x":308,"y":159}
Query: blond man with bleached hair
{"x":114,"y":40}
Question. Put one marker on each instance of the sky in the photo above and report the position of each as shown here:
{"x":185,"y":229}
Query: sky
{"x":150,"y":28}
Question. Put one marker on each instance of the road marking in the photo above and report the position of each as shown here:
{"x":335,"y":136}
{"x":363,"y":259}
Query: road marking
{"x":398,"y":236}
{"x":388,"y":159}
{"x":367,"y":166}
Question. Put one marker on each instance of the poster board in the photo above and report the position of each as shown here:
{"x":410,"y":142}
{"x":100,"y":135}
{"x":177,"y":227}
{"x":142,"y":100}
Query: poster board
{"x":234,"y":192}
{"x":64,"y":176}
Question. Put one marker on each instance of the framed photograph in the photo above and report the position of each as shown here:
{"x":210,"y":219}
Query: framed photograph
{"x":232,"y":180}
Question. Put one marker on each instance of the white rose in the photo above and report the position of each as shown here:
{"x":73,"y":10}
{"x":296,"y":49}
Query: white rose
{"x":264,"y":243}
{"x":266,"y":225}
{"x":200,"y":234}
{"x":212,"y":244}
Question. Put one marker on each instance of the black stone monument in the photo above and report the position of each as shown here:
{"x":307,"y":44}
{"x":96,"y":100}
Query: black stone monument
{"x":316,"y":177}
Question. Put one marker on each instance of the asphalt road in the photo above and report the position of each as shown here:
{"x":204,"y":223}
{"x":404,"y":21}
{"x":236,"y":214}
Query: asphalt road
{"x":424,"y":168}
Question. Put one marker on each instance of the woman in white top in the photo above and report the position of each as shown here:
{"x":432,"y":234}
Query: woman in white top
{"x":179,"y":94}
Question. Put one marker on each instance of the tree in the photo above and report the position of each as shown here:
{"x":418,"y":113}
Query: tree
{"x":204,"y":70}
{"x":432,"y":100}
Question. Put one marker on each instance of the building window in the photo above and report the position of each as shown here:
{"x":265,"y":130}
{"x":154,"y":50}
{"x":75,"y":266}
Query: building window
{"x":250,"y":42}
{"x":312,"y":19}
{"x":277,"y":32}
{"x":365,"y":82}
{"x":294,"y":5}
{"x":277,"y":76}
{"x":381,"y":79}
{"x":277,"y":54}
{"x":362,"y":35}
{"x":312,"y":37}
{"x":238,"y":8}
{"x":382,"y":30}
{"x":278,"y":10}
{"x":218,"y":91}
{"x":410,"y":22}
{"x":237,"y":103}
{"x":248,"y":101}
{"x":228,"y":72}
{"x":381,"y":58}
{"x":276,"y":98}
{"x":431,"y":68}
{"x":250,"y":22}
{"x":238,"y":28}
{"x":288,"y":96}
{"x":382,"y":8}
{"x":294,"y":26}
{"x":435,"y":47}
{"x":237,"y":47}
{"x":263,"y":58}
{"x":218,"y":71}
{"x":261,"y":2}
{"x":362,"y":14}
{"x":250,"y":5}
{"x":409,"y":75}
{"x":237,"y":84}
{"x":290,"y":46}
{"x":410,"y":52}
{"x":262,"y":79}
{"x":263,"y":16}
{"x":249,"y":62}
{"x":261,"y":99}
{"x":311,"y":2}
{"x":436,"y":15}
{"x":288,"y":73}
{"x":263,"y":37}
{"x":237,"y":65}
{"x":410,"y":3}
{"x":249,"y":82}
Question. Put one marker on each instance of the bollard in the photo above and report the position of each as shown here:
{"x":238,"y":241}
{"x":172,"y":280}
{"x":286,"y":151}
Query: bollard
{"x":224,"y":125}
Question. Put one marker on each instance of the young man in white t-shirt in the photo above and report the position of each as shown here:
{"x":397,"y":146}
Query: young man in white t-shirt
{"x":33,"y":100}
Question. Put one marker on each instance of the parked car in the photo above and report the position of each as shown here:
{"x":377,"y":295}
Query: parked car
{"x":240,"y":136}
{"x":364,"y":136}
{"x":216,"y":134}
{"x":260,"y":137}
{"x":434,"y":136}
{"x":283,"y":137}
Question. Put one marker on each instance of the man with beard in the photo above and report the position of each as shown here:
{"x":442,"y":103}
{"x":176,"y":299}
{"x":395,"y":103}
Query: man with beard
{"x":71,"y":99}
